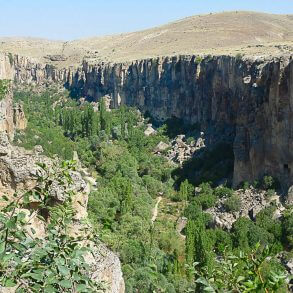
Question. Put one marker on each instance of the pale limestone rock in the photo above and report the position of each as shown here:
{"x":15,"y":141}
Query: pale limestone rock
{"x":161,"y":146}
{"x":252,"y":202}
{"x":150,"y":130}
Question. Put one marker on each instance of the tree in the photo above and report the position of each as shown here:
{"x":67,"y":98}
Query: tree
{"x":122,"y":120}
{"x":190,"y":242}
{"x":105,"y":118}
{"x":184,"y":190}
{"x":243,"y":272}
{"x":55,"y":263}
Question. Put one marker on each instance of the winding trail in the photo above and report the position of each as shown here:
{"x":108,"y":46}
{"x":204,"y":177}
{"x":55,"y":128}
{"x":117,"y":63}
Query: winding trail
{"x":155,"y":210}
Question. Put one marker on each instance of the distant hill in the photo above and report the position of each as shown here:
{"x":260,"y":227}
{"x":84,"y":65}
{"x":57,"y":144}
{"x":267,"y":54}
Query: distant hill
{"x":220,"y":33}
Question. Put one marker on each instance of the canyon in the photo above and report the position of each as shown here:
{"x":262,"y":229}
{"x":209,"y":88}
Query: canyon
{"x":245,"y":102}
{"x":227,"y":76}
{"x":242,"y":95}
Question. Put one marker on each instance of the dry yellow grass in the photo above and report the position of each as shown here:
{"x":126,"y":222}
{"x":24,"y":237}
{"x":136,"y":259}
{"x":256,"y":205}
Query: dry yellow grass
{"x":248,"y":33}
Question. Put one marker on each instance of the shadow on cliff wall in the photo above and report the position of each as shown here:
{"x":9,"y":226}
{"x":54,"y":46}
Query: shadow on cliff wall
{"x":210,"y":165}
{"x":174,"y":126}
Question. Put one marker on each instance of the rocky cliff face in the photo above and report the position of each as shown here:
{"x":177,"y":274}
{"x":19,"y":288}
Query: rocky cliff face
{"x":247,"y":103}
{"x":11,"y":115}
{"x":18,"y":168}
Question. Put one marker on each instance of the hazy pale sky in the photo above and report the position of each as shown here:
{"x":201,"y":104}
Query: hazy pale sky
{"x":72,"y":19}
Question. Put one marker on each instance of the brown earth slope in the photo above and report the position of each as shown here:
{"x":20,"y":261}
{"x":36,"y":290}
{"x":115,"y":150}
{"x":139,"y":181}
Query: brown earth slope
{"x":248,"y":33}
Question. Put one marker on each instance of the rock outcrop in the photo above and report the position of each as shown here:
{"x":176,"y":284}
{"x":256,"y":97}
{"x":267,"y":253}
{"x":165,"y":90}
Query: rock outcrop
{"x":18,"y":170}
{"x":181,"y":151}
{"x":11,"y":115}
{"x":252,"y":201}
{"x":247,"y":103}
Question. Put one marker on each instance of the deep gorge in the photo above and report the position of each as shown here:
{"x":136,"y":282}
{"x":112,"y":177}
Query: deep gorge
{"x":248,"y":103}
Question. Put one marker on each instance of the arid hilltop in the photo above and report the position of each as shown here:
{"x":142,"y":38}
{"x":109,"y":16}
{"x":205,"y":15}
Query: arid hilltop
{"x":228,"y":33}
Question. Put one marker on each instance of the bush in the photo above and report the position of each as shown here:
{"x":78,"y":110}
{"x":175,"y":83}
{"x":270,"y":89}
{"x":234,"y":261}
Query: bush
{"x":223,"y":241}
{"x":55,"y":263}
{"x":194,"y":212}
{"x":233,"y":204}
{"x":268,"y":182}
{"x":238,"y":273}
{"x":238,"y":56}
{"x":288,"y":228}
{"x":223,"y":191}
{"x":4,"y":84}
{"x":270,"y":193}
{"x":246,"y":185}
{"x":206,"y":197}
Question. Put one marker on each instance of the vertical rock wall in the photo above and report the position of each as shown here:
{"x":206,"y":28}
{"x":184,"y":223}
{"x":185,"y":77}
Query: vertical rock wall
{"x":11,"y":115}
{"x":248,"y":103}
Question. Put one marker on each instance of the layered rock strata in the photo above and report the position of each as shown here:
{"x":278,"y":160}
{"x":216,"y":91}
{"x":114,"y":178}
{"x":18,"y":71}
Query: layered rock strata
{"x":247,"y":103}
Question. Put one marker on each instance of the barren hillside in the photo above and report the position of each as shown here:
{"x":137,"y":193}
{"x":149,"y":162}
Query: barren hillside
{"x":222,"y":33}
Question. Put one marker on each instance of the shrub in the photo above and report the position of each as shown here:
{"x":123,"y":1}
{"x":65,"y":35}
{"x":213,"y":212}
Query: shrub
{"x":253,"y":271}
{"x":238,"y":56}
{"x":268,"y":182}
{"x":246,"y":185}
{"x":4,"y":84}
{"x":206,"y":197}
{"x":223,"y":241}
{"x":288,"y":228}
{"x":198,"y":60}
{"x":270,"y":193}
{"x":55,"y":263}
{"x":190,"y":140}
{"x":223,"y":191}
{"x":233,"y":204}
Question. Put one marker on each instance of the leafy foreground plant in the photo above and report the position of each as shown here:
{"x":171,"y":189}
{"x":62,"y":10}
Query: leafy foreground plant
{"x":4,"y":85}
{"x":247,"y":272}
{"x":55,"y":263}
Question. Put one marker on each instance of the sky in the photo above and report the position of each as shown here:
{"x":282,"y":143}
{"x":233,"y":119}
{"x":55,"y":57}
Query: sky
{"x":74,"y":19}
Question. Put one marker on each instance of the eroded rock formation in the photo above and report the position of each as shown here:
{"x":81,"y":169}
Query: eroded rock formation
{"x":247,"y":103}
{"x":11,"y":115}
{"x":18,"y":169}
{"x":252,"y":201}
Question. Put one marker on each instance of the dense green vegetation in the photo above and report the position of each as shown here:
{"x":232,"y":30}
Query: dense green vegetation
{"x":129,"y":177}
{"x":55,"y":263}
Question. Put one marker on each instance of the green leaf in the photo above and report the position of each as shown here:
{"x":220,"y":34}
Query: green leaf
{"x":63,"y":270}
{"x":81,"y":288}
{"x":65,"y":283}
{"x":2,"y":247}
{"x":10,"y":283}
{"x":240,"y":278}
{"x":37,"y":276}
{"x":49,"y":289}
{"x":11,"y":224}
{"x":5,"y":198}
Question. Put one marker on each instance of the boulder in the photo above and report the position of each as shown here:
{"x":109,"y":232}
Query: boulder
{"x":150,"y":130}
{"x":161,"y":146}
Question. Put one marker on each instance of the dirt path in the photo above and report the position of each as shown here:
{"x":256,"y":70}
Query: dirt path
{"x":181,"y":223}
{"x":155,"y":210}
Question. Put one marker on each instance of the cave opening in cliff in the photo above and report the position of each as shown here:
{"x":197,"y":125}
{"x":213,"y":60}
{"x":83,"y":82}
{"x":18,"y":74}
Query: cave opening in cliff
{"x":287,"y":169}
